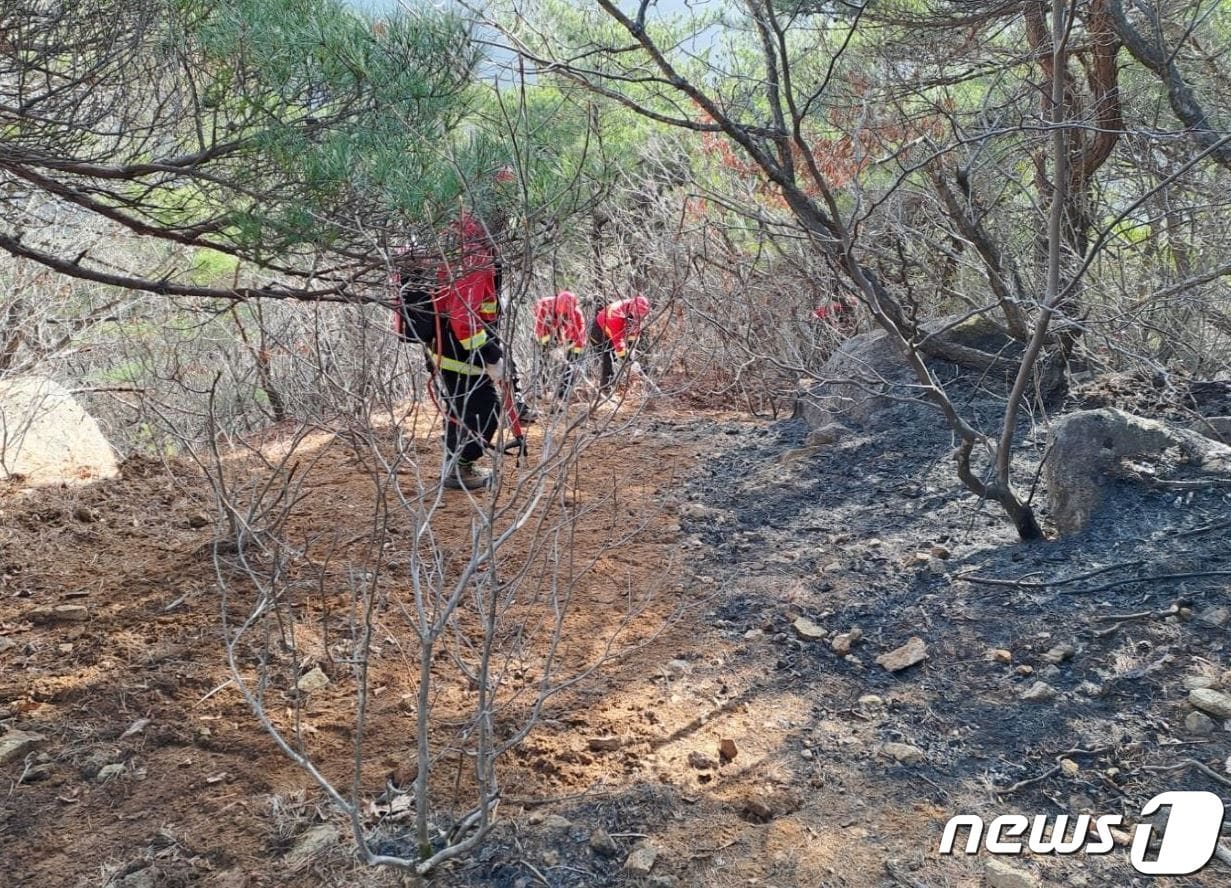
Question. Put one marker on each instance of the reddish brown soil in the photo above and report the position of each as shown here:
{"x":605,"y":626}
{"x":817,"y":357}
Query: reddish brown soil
{"x":700,"y":615}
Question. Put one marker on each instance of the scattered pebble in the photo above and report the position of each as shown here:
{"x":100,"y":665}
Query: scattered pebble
{"x":1211,"y":701}
{"x":1060,"y":653}
{"x":701,"y":761}
{"x":107,"y":772}
{"x":313,"y":680}
{"x":842,"y":643}
{"x":808,"y":630}
{"x":609,"y":743}
{"x":602,"y":844}
{"x":914,"y":651}
{"x":61,"y":613}
{"x":15,"y":744}
{"x":1199,"y":724}
{"x":1004,"y":875}
{"x":727,"y":750}
{"x":1039,"y":692}
{"x":999,"y":655}
{"x":903,"y":753}
{"x":641,"y":860}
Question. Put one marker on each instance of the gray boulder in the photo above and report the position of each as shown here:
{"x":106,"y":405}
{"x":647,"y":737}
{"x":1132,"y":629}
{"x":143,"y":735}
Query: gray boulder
{"x":1089,"y":450}
{"x":46,"y":436}
{"x":868,"y":374}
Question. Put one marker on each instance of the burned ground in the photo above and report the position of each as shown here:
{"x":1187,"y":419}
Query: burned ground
{"x":734,"y":747}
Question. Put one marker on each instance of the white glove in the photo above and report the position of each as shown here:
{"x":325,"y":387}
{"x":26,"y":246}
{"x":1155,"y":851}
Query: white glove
{"x":634,"y":370}
{"x":495,"y":372}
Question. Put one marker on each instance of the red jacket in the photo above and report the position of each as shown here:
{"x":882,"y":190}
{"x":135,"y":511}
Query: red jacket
{"x":837,"y":312}
{"x":558,"y":317}
{"x":621,"y":321}
{"x":466,"y":298}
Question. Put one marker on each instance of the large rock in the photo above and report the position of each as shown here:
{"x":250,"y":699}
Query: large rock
{"x":47,"y":438}
{"x":1088,"y":451}
{"x":868,"y":374}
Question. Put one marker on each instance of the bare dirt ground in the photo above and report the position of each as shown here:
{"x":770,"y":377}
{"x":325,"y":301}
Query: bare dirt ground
{"x":735,"y":741}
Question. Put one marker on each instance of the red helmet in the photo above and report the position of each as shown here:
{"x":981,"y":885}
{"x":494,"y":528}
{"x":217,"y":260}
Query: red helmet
{"x":640,"y":307}
{"x":566,"y":302}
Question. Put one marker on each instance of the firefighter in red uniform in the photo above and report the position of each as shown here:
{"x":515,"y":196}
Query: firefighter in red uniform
{"x":615,"y":328}
{"x":558,"y":323}
{"x":468,"y":358}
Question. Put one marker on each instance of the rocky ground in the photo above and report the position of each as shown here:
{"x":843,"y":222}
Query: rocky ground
{"x":850,"y":651}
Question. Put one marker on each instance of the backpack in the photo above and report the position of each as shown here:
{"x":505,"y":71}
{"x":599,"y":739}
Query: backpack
{"x":415,"y":317}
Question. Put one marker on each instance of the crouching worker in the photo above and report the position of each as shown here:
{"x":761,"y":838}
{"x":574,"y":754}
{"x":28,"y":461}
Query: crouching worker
{"x":558,"y":323}
{"x":469,"y":363}
{"x":615,"y":329}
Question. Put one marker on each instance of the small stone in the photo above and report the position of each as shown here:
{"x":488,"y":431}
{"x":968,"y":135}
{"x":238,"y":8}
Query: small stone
{"x":198,"y":520}
{"x":939,"y":551}
{"x":999,"y":655}
{"x":914,"y":651}
{"x":602,"y":844}
{"x":313,"y":680}
{"x":1210,"y":701}
{"x":142,"y":878}
{"x":701,"y":761}
{"x":555,"y":821}
{"x":1090,"y":689}
{"x":85,"y":514}
{"x":842,"y":643}
{"x":1193,"y":682}
{"x":311,"y":845}
{"x":1024,"y":669}
{"x":796,"y":454}
{"x":826,"y":434}
{"x":871,"y":701}
{"x":1050,"y":672}
{"x":753,"y":634}
{"x":1199,"y":724}
{"x":832,"y":567}
{"x":107,"y":772}
{"x":808,"y":630}
{"x":677,"y":668}
{"x":15,"y":744}
{"x":903,"y":753}
{"x":1217,"y":616}
{"x":757,"y":811}
{"x":937,"y":567}
{"x":727,"y":750}
{"x":1069,"y":767}
{"x":916,"y":559}
{"x":1039,"y":692}
{"x":641,"y":860}
{"x":1003,"y":875}
{"x":807,"y":754}
{"x":608,"y":743}
{"x":61,"y":613}
{"x":1060,"y":653}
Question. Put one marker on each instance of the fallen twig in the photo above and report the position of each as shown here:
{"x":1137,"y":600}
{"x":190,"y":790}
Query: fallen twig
{"x":1022,"y":784}
{"x":1190,"y":763}
{"x":1205,"y":528}
{"x":1024,"y":583}
{"x":1156,"y":578}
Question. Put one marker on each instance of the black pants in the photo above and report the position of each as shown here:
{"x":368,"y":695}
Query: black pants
{"x":472,"y":407}
{"x":606,"y":354}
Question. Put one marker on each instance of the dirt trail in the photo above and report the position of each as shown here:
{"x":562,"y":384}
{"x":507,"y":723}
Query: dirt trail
{"x":739,"y":532}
